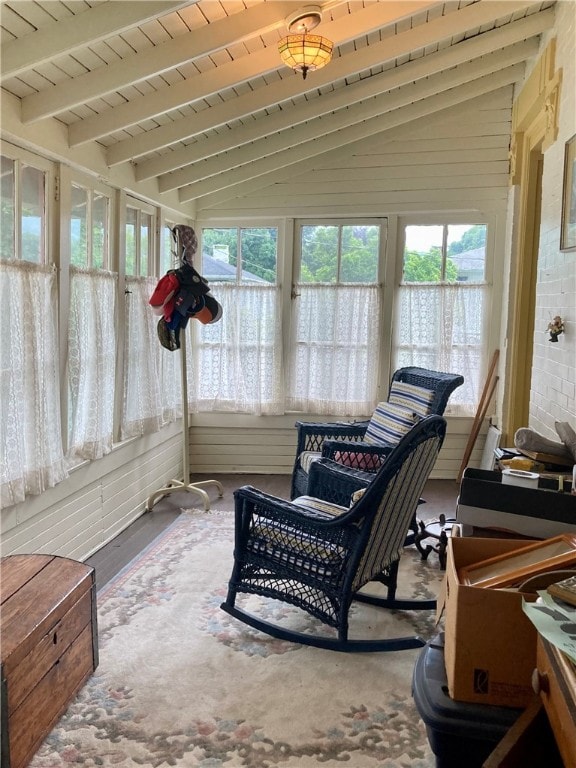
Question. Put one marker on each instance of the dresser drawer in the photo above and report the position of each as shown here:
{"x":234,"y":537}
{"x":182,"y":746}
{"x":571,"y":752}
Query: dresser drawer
{"x":49,"y":646}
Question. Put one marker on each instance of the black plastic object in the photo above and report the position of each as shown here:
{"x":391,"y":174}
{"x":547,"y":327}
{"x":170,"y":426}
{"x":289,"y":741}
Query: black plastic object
{"x":460,"y":734}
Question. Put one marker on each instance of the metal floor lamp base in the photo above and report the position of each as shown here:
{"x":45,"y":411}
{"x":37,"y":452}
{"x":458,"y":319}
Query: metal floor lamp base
{"x":178,"y":485}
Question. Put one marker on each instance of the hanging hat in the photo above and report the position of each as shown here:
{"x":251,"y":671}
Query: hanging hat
{"x":169,"y":338}
{"x":162,"y":299}
{"x":211,"y":312}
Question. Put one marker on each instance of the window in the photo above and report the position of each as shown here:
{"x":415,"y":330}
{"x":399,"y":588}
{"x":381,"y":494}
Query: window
{"x":142,"y":406}
{"x":91,"y":363}
{"x":334,"y":348}
{"x":239,"y":358}
{"x":91,"y":326}
{"x":167,"y":248}
{"x":139,"y":232}
{"x":29,"y":352}
{"x":89,"y":228}
{"x":441,"y":305}
{"x":24,"y":211}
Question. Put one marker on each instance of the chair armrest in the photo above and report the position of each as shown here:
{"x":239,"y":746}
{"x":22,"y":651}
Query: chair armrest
{"x":311,"y":435}
{"x":358,"y":455}
{"x":333,"y":482}
{"x":252,"y":501}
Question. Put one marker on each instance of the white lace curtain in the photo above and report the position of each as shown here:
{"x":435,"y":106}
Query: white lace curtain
{"x":30,"y":427}
{"x":142,"y":401}
{"x":91,"y":362}
{"x":152,"y":385}
{"x":443,"y":327}
{"x":334,"y":349}
{"x":238,"y":364}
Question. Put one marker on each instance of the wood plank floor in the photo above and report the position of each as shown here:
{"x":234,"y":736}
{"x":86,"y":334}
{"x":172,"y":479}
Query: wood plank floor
{"x":440,"y":496}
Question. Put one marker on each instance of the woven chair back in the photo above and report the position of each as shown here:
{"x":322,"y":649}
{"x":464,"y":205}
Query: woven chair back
{"x":391,"y":498}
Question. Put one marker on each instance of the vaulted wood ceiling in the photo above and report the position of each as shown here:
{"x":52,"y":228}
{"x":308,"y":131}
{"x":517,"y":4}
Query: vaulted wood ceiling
{"x":194,"y":96}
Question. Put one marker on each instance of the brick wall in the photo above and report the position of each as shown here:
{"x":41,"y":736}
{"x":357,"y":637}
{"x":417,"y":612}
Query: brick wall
{"x":553,"y":388}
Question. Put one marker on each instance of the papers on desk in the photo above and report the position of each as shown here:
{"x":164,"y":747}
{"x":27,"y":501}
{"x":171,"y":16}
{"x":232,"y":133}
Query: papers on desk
{"x":555,"y":620}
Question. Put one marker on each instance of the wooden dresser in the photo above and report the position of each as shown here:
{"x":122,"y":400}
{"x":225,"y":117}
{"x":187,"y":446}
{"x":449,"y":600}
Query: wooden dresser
{"x":555,"y":681}
{"x":49,"y":646}
{"x":545,"y":733}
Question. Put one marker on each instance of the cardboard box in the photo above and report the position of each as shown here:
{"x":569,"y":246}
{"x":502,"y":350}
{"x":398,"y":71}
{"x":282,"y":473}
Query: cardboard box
{"x":485,"y":502}
{"x":490,"y":644}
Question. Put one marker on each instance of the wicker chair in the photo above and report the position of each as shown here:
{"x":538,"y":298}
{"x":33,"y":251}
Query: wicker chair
{"x":344,"y":441}
{"x":318,"y":556}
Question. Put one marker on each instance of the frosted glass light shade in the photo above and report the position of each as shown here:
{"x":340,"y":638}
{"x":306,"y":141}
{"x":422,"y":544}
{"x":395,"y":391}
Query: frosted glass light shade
{"x":305,"y":53}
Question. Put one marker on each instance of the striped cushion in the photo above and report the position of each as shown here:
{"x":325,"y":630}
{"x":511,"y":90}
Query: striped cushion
{"x":389,"y":424}
{"x":417,"y":399}
{"x":307,"y":457}
{"x":319,"y":505}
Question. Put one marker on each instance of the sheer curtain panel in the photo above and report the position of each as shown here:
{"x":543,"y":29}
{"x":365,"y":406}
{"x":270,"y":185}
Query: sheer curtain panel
{"x":32,"y":452}
{"x":238,"y":364}
{"x":442,"y":327}
{"x":152,"y":394}
{"x":334,"y":349}
{"x":91,"y":362}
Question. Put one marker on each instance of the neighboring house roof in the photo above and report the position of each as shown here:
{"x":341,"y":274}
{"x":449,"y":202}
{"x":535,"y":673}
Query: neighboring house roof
{"x":216,"y":269}
{"x":468,"y":261}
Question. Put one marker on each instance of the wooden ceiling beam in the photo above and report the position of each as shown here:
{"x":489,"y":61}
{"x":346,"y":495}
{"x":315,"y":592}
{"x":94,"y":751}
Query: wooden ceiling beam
{"x":368,"y":127}
{"x":70,"y":34}
{"x":154,"y":61}
{"x":455,"y":23}
{"x":253,"y":65}
{"x":365,"y":110}
{"x":265,"y":127}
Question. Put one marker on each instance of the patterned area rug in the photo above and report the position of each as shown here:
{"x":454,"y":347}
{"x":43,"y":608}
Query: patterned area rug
{"x":181,"y":683}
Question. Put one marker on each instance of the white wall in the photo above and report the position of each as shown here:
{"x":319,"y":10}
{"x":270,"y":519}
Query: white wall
{"x":99,"y":499}
{"x":553,"y":389}
{"x":456,"y":160}
{"x":247,"y":444}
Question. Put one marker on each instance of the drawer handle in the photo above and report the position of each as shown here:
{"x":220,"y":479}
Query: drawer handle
{"x":540,"y":682}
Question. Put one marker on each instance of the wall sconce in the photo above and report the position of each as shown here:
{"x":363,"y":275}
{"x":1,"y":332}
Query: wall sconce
{"x":300,"y":50}
{"x":555,"y":328}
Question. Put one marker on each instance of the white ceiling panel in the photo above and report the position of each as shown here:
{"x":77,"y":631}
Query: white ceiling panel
{"x":194,"y":95}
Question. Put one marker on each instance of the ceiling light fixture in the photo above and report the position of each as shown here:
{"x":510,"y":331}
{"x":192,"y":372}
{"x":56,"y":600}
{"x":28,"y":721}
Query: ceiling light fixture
{"x":300,"y":50}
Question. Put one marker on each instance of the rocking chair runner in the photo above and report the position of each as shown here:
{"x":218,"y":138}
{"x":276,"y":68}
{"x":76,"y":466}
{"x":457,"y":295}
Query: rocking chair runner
{"x":318,"y":556}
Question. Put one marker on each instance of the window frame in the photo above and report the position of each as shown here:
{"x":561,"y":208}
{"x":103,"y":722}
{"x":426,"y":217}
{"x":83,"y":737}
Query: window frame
{"x":489,"y":334}
{"x":23,"y":157}
{"x":239,"y":226}
{"x":142,"y":207}
{"x":341,"y":222}
{"x":92,"y":189}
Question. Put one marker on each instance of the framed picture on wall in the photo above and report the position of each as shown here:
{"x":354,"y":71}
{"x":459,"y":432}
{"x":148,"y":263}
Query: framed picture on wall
{"x":568,"y":228}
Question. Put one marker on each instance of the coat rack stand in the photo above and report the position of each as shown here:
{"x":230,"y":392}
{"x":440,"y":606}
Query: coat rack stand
{"x":179,"y":485}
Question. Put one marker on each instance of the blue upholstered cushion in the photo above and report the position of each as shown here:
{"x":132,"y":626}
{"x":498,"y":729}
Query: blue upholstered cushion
{"x":417,"y":399}
{"x":389,"y":424}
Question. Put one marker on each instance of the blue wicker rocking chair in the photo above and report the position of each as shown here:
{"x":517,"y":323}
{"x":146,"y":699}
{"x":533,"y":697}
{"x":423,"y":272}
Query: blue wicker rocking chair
{"x":345,"y":441}
{"x":318,"y":556}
